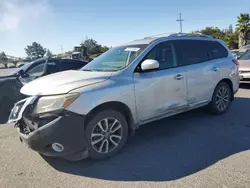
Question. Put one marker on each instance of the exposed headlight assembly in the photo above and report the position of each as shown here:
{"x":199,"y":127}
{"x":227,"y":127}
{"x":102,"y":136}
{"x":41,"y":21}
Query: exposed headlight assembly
{"x":53,"y":103}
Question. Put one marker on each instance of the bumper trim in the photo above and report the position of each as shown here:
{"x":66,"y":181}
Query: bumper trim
{"x":41,"y":128}
{"x":68,"y":130}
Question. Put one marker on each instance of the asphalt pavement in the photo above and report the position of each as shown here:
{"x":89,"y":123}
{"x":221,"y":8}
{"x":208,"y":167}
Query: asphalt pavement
{"x":5,"y":72}
{"x":194,"y":149}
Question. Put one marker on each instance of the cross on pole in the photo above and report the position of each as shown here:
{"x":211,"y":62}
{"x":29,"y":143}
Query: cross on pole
{"x":180,"y":20}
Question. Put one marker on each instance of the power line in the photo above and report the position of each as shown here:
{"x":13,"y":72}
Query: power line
{"x":180,"y":20}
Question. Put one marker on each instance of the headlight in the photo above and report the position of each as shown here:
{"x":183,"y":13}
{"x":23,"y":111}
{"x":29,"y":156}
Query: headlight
{"x":53,"y":103}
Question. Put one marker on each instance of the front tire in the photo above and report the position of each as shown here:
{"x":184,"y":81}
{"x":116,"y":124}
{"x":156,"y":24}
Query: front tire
{"x":106,"y":133}
{"x":221,"y":99}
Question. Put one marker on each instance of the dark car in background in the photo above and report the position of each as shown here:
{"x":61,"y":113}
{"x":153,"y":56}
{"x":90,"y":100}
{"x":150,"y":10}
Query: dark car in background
{"x":45,"y":66}
{"x":10,"y":85}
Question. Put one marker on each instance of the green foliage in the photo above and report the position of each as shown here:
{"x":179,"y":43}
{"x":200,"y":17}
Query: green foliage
{"x":243,"y":23}
{"x":49,"y":53}
{"x":68,"y":54}
{"x":3,"y":59}
{"x":243,"y":27}
{"x":227,"y":35}
{"x":104,"y":49}
{"x":35,"y":50}
{"x":230,"y":29}
{"x":231,"y":39}
{"x":214,"y":31}
{"x":93,"y":47}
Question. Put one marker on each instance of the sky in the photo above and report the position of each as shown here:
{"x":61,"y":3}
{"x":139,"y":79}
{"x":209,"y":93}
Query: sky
{"x":66,"y":23}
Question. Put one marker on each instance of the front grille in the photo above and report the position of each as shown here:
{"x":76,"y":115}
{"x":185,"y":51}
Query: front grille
{"x":29,"y":124}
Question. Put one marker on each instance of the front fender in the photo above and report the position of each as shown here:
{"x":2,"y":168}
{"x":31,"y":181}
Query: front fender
{"x":109,"y":91}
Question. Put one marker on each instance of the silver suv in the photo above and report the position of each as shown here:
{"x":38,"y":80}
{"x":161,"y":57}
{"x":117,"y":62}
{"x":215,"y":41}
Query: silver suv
{"x":76,"y":114}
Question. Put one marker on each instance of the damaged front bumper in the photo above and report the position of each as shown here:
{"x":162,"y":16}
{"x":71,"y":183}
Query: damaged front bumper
{"x":40,"y":133}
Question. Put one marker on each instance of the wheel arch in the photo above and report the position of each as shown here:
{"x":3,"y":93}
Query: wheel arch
{"x":230,"y":84}
{"x":118,"y":106}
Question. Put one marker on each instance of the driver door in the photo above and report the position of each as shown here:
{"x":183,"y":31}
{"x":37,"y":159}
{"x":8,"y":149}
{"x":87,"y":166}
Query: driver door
{"x":40,"y":69}
{"x":161,"y":92}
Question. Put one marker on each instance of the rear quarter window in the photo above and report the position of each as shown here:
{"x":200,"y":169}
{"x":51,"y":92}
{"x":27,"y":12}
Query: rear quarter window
{"x":217,"y":50}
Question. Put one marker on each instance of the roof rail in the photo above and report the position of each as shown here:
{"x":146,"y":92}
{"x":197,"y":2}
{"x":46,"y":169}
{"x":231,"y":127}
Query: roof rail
{"x":190,"y":35}
{"x":158,"y":35}
{"x":178,"y":35}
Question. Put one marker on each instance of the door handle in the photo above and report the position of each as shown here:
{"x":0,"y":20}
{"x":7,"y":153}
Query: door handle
{"x":215,"y":69}
{"x":178,"y":77}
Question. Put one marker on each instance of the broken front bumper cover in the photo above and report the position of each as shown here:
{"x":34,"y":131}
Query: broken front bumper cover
{"x":40,"y":133}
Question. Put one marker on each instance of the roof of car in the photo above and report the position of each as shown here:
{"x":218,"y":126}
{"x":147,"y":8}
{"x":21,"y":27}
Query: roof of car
{"x":246,"y":47}
{"x":78,"y":60}
{"x":150,"y":39}
{"x":64,"y":59}
{"x":240,"y":50}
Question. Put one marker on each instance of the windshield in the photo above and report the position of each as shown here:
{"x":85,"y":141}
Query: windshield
{"x":115,"y":59}
{"x":245,"y":56}
{"x":24,"y":67}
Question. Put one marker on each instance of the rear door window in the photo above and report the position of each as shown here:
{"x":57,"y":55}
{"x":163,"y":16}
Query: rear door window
{"x":193,"y":51}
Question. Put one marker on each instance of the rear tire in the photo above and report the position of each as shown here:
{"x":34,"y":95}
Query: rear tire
{"x":221,"y":99}
{"x":106,"y":133}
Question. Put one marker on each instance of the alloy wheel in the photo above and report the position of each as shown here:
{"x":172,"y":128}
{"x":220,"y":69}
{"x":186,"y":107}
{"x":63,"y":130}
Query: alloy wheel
{"x":222,"y":99}
{"x":106,"y":135}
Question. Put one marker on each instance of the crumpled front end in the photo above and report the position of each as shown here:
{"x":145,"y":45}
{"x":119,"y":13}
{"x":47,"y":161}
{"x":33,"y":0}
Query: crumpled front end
{"x":56,"y":133}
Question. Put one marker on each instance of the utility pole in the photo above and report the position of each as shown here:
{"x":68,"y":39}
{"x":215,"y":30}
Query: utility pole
{"x":180,"y":20}
{"x":61,"y":49}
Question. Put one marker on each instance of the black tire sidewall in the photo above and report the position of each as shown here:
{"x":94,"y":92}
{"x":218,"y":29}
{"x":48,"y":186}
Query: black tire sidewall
{"x":94,"y":120}
{"x":214,"y":107}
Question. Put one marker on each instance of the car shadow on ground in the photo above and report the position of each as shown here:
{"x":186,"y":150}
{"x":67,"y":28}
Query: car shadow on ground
{"x":245,"y":85}
{"x":171,"y":148}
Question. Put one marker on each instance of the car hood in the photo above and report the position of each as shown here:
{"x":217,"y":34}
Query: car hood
{"x":63,"y":82}
{"x":244,"y":65}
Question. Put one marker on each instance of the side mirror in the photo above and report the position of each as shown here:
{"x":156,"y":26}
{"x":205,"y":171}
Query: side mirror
{"x":149,"y":64}
{"x":22,"y":74}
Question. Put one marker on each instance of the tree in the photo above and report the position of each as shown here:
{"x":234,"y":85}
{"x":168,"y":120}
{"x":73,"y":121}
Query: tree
{"x":49,"y":53}
{"x":227,"y":35}
{"x":68,"y":54}
{"x":230,"y":29}
{"x":243,"y":27}
{"x":35,"y":50}
{"x":104,"y":49}
{"x":231,"y":39}
{"x":92,"y":46}
{"x":214,"y":31}
{"x":3,"y":59}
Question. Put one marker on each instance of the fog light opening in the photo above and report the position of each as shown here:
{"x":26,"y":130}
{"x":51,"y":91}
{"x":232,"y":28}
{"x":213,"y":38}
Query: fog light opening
{"x":57,"y":147}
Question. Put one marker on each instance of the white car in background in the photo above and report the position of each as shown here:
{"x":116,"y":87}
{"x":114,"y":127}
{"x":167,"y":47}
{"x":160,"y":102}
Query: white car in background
{"x":239,"y":52}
